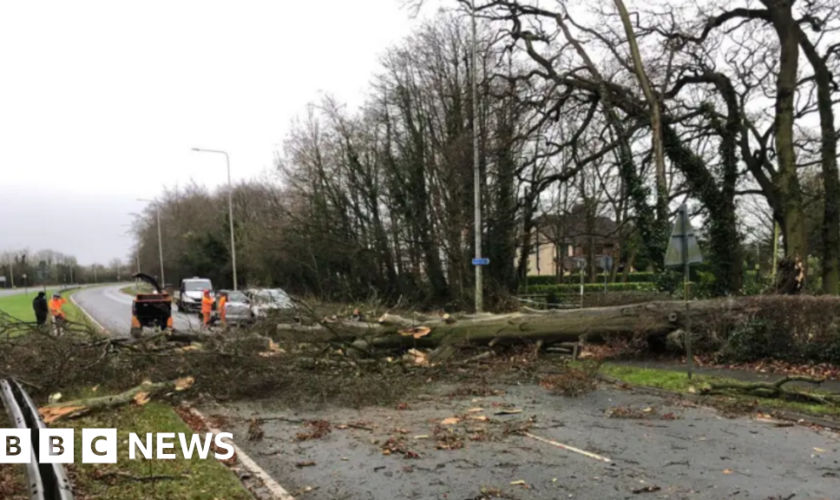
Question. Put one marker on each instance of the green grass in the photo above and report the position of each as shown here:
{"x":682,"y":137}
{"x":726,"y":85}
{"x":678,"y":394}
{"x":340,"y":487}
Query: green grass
{"x":20,"y":305}
{"x":677,"y":381}
{"x":193,"y":479}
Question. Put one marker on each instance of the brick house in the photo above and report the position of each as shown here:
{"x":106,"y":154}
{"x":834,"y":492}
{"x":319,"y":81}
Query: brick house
{"x":558,"y":240}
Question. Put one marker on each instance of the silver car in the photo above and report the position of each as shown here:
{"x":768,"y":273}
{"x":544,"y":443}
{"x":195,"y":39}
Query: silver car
{"x":237,"y":307}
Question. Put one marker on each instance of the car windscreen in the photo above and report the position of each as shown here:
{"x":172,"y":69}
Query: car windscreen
{"x":197,"y":285}
{"x":236,"y":297}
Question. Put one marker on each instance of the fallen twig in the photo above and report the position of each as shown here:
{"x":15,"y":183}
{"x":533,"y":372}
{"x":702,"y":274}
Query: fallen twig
{"x":774,"y":390}
{"x":569,"y":448}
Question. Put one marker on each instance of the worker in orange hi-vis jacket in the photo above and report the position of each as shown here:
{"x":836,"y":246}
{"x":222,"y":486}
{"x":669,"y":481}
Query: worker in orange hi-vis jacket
{"x":55,"y":306}
{"x":57,"y":312}
{"x":221,"y":306}
{"x":206,"y":307}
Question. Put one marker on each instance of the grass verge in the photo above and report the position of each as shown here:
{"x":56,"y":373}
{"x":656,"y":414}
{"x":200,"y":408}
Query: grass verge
{"x":677,"y":381}
{"x":178,"y":479}
{"x":19,"y":307}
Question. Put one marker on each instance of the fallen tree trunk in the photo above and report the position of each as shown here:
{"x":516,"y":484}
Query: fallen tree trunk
{"x":139,"y":395}
{"x":654,"y":319}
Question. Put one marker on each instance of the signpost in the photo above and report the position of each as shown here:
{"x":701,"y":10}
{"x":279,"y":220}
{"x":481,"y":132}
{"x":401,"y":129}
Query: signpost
{"x":605,"y":262}
{"x":25,"y":285}
{"x":481,"y":262}
{"x":683,"y":251}
{"x":580,"y":263}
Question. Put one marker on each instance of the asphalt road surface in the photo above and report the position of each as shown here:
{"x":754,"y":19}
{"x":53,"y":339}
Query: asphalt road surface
{"x":674,"y":452}
{"x":112,"y":309}
{"x":15,"y":291}
{"x":6,"y":292}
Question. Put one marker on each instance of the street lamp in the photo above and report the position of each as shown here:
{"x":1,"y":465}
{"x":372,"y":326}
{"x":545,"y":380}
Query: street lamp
{"x":160,"y":239}
{"x":479,"y":299}
{"x":230,"y":210}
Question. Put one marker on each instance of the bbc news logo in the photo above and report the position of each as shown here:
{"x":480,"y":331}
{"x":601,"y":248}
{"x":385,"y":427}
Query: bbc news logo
{"x":99,"y":446}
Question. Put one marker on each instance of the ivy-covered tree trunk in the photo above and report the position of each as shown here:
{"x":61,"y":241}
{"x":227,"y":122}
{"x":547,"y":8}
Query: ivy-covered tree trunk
{"x":501,"y":233}
{"x":787,"y":182}
{"x":725,"y":255}
{"x":831,"y":177}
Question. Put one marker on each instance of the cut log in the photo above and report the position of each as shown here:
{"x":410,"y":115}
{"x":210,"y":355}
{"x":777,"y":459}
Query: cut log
{"x":139,"y":395}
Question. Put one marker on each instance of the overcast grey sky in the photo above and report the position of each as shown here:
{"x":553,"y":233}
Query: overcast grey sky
{"x":101,"y":101}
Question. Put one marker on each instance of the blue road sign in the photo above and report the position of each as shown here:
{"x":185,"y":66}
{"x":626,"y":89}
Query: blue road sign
{"x":480,"y":262}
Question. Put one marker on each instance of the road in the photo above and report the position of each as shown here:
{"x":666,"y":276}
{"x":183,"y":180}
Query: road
{"x":676,"y":452}
{"x":112,"y":309}
{"x":4,"y":293}
{"x":16,"y":291}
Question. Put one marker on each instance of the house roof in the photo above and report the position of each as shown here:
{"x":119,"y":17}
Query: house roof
{"x":572,"y":228}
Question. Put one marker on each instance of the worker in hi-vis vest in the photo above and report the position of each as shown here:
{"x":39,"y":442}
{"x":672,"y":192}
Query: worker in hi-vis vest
{"x":221,"y":306}
{"x":206,"y":307}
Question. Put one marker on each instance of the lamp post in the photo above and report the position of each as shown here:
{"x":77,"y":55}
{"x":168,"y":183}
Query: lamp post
{"x":160,"y":239}
{"x":479,"y":291}
{"x":230,"y":210}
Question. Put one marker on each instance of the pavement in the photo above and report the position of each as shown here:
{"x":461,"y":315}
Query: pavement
{"x":111,"y":308}
{"x":697,"y":455}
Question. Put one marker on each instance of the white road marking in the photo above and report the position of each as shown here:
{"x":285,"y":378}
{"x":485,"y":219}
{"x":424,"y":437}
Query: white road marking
{"x":273,"y":486}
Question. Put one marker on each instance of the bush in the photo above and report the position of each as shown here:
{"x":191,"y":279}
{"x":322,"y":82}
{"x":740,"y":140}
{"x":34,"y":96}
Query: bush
{"x":753,"y":341}
{"x":787,"y":328}
{"x":570,"y":288}
{"x":641,"y":277}
{"x":540,"y":280}
{"x":668,"y":281}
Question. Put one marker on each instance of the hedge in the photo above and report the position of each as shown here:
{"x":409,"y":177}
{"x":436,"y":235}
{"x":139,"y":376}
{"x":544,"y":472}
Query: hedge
{"x":640,"y":277}
{"x":796,"y":329}
{"x":572,"y":288}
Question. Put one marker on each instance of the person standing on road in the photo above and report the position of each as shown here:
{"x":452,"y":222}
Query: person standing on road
{"x":206,"y":307}
{"x":222,"y":313}
{"x":39,"y":305}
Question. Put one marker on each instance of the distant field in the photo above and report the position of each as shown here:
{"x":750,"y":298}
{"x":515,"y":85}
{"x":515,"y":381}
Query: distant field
{"x":20,"y":305}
